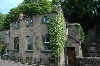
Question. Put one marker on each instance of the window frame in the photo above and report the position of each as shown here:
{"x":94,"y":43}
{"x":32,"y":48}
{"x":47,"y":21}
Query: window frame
{"x":44,"y":41}
{"x":16,"y":43}
{"x":29,"y":22}
{"x":17,"y":25}
{"x":46,"y":19}
{"x":27,"y":43}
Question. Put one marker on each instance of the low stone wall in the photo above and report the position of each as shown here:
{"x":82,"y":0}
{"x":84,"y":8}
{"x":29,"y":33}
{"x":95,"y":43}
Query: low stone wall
{"x":33,"y":61}
{"x":88,"y":61}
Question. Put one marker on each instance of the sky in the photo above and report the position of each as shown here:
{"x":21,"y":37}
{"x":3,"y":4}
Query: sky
{"x":6,"y":5}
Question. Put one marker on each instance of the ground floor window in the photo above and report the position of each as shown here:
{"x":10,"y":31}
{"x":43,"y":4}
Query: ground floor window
{"x":29,"y":42}
{"x":46,"y":41}
{"x":16,"y":43}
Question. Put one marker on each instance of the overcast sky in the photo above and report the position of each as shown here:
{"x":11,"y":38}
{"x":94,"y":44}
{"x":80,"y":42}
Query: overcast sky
{"x":6,"y":5}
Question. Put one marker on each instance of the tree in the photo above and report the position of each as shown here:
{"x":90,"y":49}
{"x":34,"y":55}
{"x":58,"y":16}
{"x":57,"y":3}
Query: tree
{"x":85,"y":12}
{"x":30,"y":1}
{"x":76,"y":9}
{"x":82,"y":11}
{"x":29,"y":8}
{"x":2,"y":21}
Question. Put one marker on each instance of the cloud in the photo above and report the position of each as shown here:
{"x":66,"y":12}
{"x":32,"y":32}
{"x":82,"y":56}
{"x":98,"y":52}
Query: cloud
{"x":6,"y":5}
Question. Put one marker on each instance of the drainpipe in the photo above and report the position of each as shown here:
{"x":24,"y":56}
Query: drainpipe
{"x":7,"y":41}
{"x":65,"y":49}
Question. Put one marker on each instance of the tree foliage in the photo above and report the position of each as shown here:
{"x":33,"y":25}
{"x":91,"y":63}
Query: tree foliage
{"x":29,"y":8}
{"x":2,"y":21}
{"x":79,"y":10}
{"x":2,"y":46}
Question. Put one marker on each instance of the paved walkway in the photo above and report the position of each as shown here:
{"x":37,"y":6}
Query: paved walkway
{"x":11,"y":63}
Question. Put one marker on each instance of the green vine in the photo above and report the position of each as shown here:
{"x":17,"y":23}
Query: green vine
{"x":81,"y":33}
{"x":2,"y":46}
{"x":56,"y":28}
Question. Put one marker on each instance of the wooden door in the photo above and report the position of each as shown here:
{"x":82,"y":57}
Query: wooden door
{"x":71,"y":57}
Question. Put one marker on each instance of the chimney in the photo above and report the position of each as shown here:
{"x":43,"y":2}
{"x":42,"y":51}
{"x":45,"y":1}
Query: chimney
{"x":59,"y":7}
{"x":20,"y":16}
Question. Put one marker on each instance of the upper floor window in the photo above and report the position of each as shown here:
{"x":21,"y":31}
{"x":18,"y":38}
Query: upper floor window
{"x":16,"y":43}
{"x":29,"y":23}
{"x":17,"y":25}
{"x":29,"y":41}
{"x":45,"y":19}
{"x":46,"y":41}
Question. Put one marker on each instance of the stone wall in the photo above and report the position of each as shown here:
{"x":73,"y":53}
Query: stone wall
{"x":3,"y":34}
{"x":88,"y":61}
{"x":93,"y":42}
{"x":74,"y":39}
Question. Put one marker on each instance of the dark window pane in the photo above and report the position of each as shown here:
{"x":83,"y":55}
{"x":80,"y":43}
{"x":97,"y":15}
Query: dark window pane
{"x":16,"y":43}
{"x":45,"y":19}
{"x":30,"y":46}
{"x":43,"y":38}
{"x":29,"y":23}
{"x":46,"y":41}
{"x":17,"y":25}
{"x":48,"y":38}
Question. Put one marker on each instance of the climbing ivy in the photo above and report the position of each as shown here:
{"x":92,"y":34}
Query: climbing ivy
{"x":2,"y":46}
{"x":81,"y":33}
{"x":56,"y":28}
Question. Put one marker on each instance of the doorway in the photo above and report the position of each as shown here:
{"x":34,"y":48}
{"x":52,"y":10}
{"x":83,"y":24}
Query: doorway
{"x":71,"y":55}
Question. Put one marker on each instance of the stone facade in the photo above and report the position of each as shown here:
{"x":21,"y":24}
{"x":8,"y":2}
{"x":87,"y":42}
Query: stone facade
{"x":74,"y":39}
{"x":37,"y":30}
{"x":3,"y":34}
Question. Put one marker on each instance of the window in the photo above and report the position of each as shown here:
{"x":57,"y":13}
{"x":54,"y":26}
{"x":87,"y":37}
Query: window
{"x":29,"y":23}
{"x":16,"y":43}
{"x":46,"y":41}
{"x":45,"y":19}
{"x":17,"y":25}
{"x":8,"y":37}
{"x":29,"y":41}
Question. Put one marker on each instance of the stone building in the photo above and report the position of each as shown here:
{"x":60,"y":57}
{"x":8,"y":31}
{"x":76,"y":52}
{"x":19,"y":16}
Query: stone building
{"x":29,"y":39}
{"x":73,"y":47}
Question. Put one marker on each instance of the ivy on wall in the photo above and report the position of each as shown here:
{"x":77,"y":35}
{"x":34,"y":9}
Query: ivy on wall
{"x":56,"y":28}
{"x":2,"y":46}
{"x":81,"y":33}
